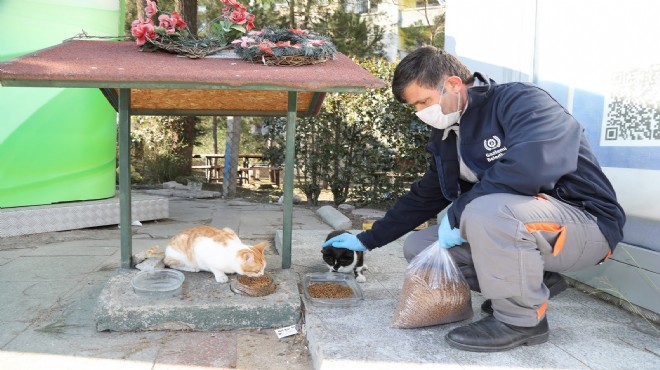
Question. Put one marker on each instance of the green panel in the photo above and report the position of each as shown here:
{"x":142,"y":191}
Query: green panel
{"x":65,"y":150}
{"x":56,"y":145}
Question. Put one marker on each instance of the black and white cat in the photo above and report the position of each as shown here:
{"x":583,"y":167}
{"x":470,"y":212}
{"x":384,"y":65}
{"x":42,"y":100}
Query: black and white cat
{"x":344,"y":260}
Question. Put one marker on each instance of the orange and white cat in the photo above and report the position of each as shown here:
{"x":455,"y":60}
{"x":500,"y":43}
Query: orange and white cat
{"x":219,"y":251}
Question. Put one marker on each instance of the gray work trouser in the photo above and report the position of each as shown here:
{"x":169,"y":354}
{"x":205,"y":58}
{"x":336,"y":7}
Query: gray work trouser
{"x":512,"y":239}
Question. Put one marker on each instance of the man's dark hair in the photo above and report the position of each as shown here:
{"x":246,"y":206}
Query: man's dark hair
{"x":427,"y":66}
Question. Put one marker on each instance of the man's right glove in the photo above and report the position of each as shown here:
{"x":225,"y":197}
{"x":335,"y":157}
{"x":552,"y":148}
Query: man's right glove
{"x":345,"y":240}
{"x":448,"y":237}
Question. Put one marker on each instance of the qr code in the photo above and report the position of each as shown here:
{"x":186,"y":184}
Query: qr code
{"x":632,"y":109}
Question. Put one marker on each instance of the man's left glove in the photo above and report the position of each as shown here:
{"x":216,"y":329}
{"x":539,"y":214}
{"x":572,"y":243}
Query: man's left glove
{"x":448,"y":237}
{"x":346,"y":240}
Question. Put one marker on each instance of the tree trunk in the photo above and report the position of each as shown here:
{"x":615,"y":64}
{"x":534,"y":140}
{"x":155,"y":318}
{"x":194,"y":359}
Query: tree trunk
{"x":292,"y":13}
{"x":140,"y":4}
{"x":232,"y":149}
{"x":215,"y":143}
{"x":307,"y":16}
{"x":188,"y":11}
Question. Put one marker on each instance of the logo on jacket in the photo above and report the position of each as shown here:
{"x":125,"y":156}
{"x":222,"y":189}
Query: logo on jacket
{"x":494,"y":147}
{"x":492,"y":143}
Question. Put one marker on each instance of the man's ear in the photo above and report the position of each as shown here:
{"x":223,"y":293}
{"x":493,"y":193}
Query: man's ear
{"x":455,"y":83}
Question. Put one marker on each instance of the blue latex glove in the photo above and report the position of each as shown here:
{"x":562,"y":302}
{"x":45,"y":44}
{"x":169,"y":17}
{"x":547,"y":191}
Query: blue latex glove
{"x":346,"y":240}
{"x":448,"y":237}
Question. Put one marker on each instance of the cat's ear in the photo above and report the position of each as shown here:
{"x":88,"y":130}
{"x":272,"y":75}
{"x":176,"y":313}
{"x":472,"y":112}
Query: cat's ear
{"x":247,"y":257}
{"x":261,"y":246}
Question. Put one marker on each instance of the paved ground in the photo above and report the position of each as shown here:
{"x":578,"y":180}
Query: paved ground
{"x":51,"y":282}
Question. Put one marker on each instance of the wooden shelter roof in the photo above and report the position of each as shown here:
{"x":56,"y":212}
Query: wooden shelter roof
{"x":163,"y":83}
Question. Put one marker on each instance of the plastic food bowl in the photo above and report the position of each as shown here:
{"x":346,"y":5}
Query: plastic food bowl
{"x":332,"y":277}
{"x":158,"y":283}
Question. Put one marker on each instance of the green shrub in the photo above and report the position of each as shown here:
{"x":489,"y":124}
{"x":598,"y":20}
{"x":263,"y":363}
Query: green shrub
{"x":364,"y":147}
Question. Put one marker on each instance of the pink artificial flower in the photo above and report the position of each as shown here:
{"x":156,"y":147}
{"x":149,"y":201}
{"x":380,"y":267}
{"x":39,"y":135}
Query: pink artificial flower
{"x":151,"y":9}
{"x":287,"y":44}
{"x":143,"y":31}
{"x":316,"y":42}
{"x":243,"y":41}
{"x":164,"y":21}
{"x":170,"y":22}
{"x":256,"y":33}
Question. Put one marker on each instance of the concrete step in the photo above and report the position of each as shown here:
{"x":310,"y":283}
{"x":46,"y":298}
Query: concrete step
{"x":203,"y":305}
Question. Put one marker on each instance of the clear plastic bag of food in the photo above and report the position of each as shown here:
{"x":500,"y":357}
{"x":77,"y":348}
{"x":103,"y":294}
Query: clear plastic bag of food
{"x":434,"y":291}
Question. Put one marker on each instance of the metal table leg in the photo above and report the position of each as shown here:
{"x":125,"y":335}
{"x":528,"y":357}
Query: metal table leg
{"x":125,"y":177}
{"x":289,"y":160}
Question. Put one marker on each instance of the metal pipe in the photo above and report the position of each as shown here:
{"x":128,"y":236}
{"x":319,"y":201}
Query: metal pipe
{"x":289,"y":160}
{"x":125,"y":177}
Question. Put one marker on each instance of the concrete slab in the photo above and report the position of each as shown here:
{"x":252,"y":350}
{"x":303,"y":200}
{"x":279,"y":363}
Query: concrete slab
{"x":583,"y":329}
{"x":77,"y":215}
{"x":261,"y":349}
{"x":185,"y":193}
{"x":46,"y":321}
{"x":49,"y":268}
{"x":334,"y":218}
{"x":368,"y":213}
{"x":203,"y":305}
{"x":202,"y":350}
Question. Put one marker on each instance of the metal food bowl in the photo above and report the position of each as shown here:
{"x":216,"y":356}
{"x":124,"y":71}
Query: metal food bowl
{"x":158,"y":283}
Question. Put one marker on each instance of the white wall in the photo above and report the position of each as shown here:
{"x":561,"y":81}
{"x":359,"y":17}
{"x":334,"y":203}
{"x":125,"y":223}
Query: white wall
{"x":599,"y":58}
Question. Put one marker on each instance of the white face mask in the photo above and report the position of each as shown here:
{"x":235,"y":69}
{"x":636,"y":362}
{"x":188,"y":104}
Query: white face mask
{"x":433,"y":116}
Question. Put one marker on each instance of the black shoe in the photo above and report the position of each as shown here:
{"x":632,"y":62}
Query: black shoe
{"x":492,"y":335}
{"x":554,"y":281}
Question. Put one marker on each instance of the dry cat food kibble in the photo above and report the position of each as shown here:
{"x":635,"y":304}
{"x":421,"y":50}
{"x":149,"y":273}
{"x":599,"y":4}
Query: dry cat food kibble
{"x":329,"y":290}
{"x":434,"y":291}
{"x":255,"y":282}
{"x":422,"y":306}
{"x":254,"y":286}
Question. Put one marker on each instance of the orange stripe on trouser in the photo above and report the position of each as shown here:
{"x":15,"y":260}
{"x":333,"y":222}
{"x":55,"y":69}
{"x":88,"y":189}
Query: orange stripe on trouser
{"x":541,"y":310}
{"x":561,"y":239}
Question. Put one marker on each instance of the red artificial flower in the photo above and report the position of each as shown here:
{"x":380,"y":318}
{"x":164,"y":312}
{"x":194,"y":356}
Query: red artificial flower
{"x":265,"y":47}
{"x":232,"y":3}
{"x":143,"y":31}
{"x":177,"y":20}
{"x":250,"y":22}
{"x":238,"y":16}
{"x":298,"y":31}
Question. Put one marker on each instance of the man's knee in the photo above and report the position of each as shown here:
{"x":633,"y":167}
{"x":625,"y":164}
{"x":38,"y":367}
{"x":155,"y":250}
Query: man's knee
{"x":483,"y":210}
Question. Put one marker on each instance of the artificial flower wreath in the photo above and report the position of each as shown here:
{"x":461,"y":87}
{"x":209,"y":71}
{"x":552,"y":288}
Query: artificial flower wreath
{"x":172,"y":34}
{"x":275,"y":46}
